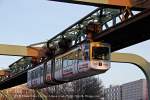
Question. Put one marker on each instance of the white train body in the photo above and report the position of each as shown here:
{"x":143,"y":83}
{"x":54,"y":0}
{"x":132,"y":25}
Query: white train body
{"x":85,"y":60}
{"x":80,"y":62}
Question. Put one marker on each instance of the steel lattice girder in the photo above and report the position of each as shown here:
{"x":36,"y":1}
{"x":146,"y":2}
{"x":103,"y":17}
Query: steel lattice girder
{"x":102,"y":16}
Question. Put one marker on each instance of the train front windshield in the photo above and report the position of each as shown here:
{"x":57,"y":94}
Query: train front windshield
{"x":101,"y":53}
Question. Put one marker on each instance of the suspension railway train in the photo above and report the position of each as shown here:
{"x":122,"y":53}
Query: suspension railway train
{"x":86,"y":59}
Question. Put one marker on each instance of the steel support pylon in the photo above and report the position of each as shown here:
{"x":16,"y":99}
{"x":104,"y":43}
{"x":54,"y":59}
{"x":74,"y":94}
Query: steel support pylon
{"x":42,"y":95}
{"x":6,"y":95}
{"x":139,"y":61}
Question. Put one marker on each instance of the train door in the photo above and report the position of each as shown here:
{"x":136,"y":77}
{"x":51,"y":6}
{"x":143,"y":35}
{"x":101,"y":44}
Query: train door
{"x":33,"y":78}
{"x":83,"y":57}
{"x":67,"y":70}
{"x":75,"y":62}
{"x":58,"y":69}
{"x":29,"y":79}
{"x":70,"y":65}
{"x":38,"y":76}
{"x":48,"y":71}
{"x":41,"y":75}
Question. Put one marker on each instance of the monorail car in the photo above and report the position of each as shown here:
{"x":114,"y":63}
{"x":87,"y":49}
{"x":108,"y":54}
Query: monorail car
{"x":87,"y":59}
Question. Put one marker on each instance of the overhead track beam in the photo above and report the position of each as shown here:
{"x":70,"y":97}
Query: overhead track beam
{"x":112,"y":3}
{"x":16,"y":50}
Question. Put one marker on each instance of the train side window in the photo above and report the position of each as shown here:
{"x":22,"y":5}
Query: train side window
{"x":74,"y":57}
{"x":79,"y":56}
{"x":32,"y":74}
{"x":36,"y":73}
{"x":29,"y":75}
{"x":48,"y":65}
{"x":41,"y":70}
{"x":86,"y":55}
{"x":83,"y":55}
{"x":65,"y":61}
{"x":70,"y":59}
{"x":58,"y":64}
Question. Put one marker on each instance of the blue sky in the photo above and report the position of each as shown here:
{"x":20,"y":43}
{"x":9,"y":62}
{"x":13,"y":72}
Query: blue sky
{"x":23,"y":22}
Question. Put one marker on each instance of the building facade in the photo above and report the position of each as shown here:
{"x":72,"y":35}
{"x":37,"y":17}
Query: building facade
{"x":113,"y":93}
{"x":136,"y":90}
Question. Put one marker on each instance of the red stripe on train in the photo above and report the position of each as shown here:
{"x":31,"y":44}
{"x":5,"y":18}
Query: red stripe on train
{"x":69,"y":73}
